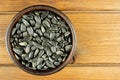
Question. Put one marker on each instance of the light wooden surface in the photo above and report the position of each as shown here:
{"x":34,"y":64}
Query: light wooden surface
{"x":97,"y":26}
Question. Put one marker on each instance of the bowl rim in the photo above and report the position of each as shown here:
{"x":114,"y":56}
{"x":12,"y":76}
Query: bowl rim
{"x":18,"y":16}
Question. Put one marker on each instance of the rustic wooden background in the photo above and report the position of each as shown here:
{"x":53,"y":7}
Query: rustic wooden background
{"x":97,"y":26}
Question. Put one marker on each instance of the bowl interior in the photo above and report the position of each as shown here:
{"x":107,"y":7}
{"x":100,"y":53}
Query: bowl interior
{"x":14,"y":21}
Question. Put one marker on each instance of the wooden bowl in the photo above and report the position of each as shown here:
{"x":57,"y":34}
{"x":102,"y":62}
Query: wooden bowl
{"x":14,"y":21}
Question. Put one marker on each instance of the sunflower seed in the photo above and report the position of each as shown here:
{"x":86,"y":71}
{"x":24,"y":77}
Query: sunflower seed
{"x":37,"y":26}
{"x":16,"y":39}
{"x":53,"y":43}
{"x":39,"y":61}
{"x":33,"y":48}
{"x":37,"y":13}
{"x":26,"y":23}
{"x":37,"y":45}
{"x":59,"y":39}
{"x":54,"y":20}
{"x":50,"y":16}
{"x":68,"y":48}
{"x":17,"y":51}
{"x":32,"y":22}
{"x":50,"y":64}
{"x":69,"y":40}
{"x":45,"y":67}
{"x":27,"y":64}
{"x":60,"y":59}
{"x":46,"y":35}
{"x":59,"y":52}
{"x":63,"y":29}
{"x":46,"y":23}
{"x":17,"y":57}
{"x":31,"y":55}
{"x":34,"y":64}
{"x":25,"y":34}
{"x":27,"y":38}
{"x":23,"y":43}
{"x":55,"y":56}
{"x":36,"y":52}
{"x":27,"y":49}
{"x":40,"y":66}
{"x":38,"y":40}
{"x":37,"y":19}
{"x":53,"y":49}
{"x":35,"y":35}
{"x":39,"y":32}
{"x":52,"y":36}
{"x":44,"y":56}
{"x":64,"y":58}
{"x":23,"y":27}
{"x":30,"y":30}
{"x":44,"y":14}
{"x":26,"y":17}
{"x":58,"y":17}
{"x":41,"y":53}
{"x":23,"y":63}
{"x":17,"y":26}
{"x":67,"y":33}
{"x":12,"y":44}
{"x":18,"y":31}
{"x":48,"y":52}
{"x":23,"y":56}
{"x":56,"y":63}
{"x":50,"y":59}
{"x":42,"y":29}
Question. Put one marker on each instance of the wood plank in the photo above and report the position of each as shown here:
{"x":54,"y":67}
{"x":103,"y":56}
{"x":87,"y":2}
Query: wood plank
{"x":98,"y":38}
{"x":68,"y":73}
{"x":69,"y":5}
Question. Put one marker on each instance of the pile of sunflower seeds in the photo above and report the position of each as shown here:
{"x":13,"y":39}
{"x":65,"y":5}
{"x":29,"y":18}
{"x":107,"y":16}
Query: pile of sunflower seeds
{"x":41,"y":40}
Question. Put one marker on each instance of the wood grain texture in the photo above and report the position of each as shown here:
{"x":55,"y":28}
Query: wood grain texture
{"x":68,"y":73}
{"x":97,"y":37}
{"x":69,"y":5}
{"x":97,"y":26}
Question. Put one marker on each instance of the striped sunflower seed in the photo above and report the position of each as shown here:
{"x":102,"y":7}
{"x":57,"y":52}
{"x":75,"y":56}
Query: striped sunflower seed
{"x":36,"y":52}
{"x":37,"y":45}
{"x":26,"y":23}
{"x":41,"y":53}
{"x":18,"y":51}
{"x":42,"y":29}
{"x":27,"y":49}
{"x":46,"y":23}
{"x":13,"y":31}
{"x":31,"y":55}
{"x":53,"y":49}
{"x":30,"y":30}
{"x":52,"y":36}
{"x":17,"y":57}
{"x":50,"y":64}
{"x":39,"y":32}
{"x":39,"y":61}
{"x":23,"y":27}
{"x":32,"y":22}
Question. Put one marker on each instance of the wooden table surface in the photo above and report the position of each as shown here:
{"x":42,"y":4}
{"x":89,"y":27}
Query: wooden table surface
{"x":97,"y":26}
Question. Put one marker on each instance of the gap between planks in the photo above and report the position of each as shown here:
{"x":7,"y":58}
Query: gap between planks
{"x":107,"y":11}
